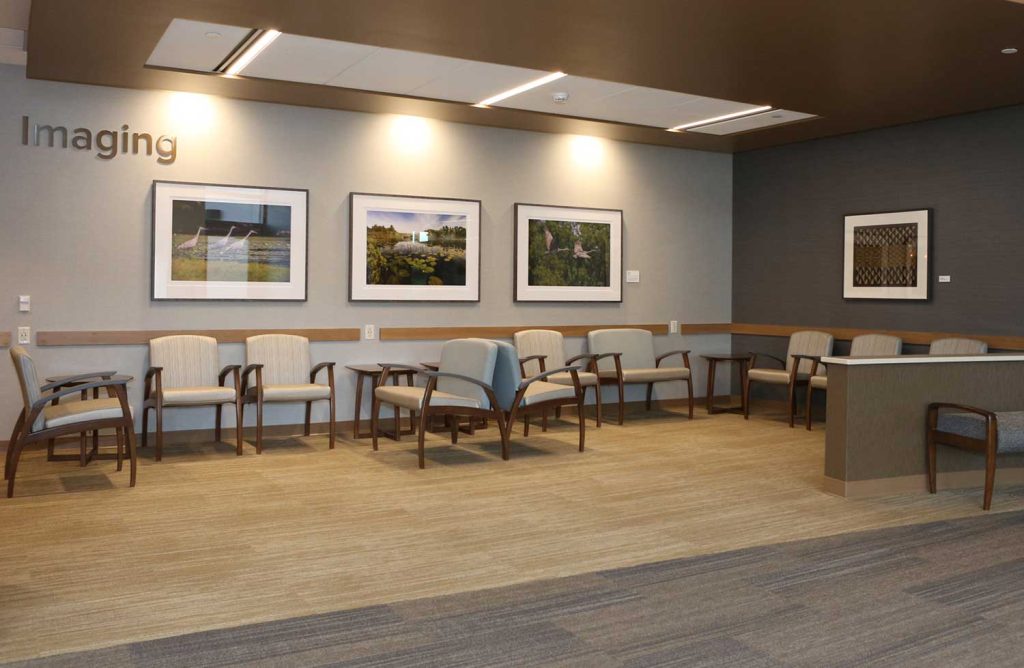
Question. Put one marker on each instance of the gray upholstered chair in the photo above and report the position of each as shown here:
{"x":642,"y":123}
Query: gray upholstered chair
{"x":976,"y":430}
{"x":460,"y":387}
{"x":184,"y":373}
{"x":626,"y":357}
{"x":953,"y":346}
{"x":44,"y":418}
{"x":865,"y":345}
{"x":796,"y":368}
{"x":284,"y":374}
{"x":537,"y":394}
{"x":539,"y":349}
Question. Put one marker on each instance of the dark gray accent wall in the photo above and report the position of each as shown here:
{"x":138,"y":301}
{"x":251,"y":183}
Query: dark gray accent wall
{"x":789,"y":203}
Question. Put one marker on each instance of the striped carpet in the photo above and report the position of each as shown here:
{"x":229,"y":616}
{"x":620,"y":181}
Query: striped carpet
{"x":942,"y":594}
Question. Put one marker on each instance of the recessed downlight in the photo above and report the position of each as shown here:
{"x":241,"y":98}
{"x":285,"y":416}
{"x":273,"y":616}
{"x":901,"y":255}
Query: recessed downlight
{"x":250,"y":51}
{"x":723,"y":117}
{"x":529,"y":85}
{"x":1009,"y":51}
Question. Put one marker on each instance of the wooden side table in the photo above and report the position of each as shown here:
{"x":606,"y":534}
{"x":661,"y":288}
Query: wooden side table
{"x":373,"y":372}
{"x":84,"y":456}
{"x":743,"y":359}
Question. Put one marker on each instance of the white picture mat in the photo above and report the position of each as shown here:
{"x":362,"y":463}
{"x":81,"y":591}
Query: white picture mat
{"x":527,"y":292}
{"x":164,"y":195}
{"x":360,"y":290}
{"x":920,"y":291}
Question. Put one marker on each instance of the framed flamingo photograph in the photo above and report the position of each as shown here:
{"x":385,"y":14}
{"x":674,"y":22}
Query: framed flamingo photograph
{"x":220,"y":242}
{"x":567,"y":254}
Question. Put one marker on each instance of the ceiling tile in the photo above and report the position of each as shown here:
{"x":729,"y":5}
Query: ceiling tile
{"x":185,"y":46}
{"x":394,"y":71}
{"x":755,"y":122}
{"x":306,"y":59}
{"x":474,"y":82}
{"x":585,"y":96}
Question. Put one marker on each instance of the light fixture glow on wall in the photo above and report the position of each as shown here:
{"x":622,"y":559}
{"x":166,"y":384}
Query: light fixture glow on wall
{"x":410,"y":134}
{"x":554,"y":76}
{"x":249,"y":52}
{"x":586,"y":151}
{"x":190,"y":113}
{"x":723,"y":117}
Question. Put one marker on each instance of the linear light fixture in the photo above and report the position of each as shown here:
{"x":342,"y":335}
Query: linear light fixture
{"x":548,"y":78}
{"x":253,"y":47}
{"x":723,"y":117}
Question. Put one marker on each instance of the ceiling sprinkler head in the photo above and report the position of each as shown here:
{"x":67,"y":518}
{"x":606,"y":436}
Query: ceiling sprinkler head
{"x":560,"y":98}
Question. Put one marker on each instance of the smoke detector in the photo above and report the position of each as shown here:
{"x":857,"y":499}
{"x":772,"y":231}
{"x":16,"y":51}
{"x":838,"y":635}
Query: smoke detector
{"x":560,"y":98}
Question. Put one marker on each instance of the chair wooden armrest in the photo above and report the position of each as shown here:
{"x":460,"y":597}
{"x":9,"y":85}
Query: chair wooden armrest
{"x":225,"y":371}
{"x":258,"y":368}
{"x":388,"y":366}
{"x":153,"y":372}
{"x":77,"y":378}
{"x":433,"y":376}
{"x":815,"y":360}
{"x":530,"y":358}
{"x":544,"y":374}
{"x":754,"y":356}
{"x":42,"y":402}
{"x":320,"y":367}
{"x":684,"y":353}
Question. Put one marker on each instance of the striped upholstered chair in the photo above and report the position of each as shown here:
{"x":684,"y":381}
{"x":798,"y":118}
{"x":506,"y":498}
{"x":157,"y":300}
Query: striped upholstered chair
{"x":184,"y":373}
{"x":543,"y":349}
{"x":284,"y":374}
{"x":953,"y":346}
{"x":796,"y":368}
{"x":865,"y":345}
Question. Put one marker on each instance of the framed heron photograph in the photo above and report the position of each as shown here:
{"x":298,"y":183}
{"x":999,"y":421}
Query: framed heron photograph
{"x":219,"y":242}
{"x":567,"y":254}
{"x":886,"y":255}
{"x":407,"y":248}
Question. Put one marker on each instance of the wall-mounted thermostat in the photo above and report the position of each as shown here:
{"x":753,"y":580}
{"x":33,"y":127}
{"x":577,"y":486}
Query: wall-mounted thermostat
{"x":632,"y":276}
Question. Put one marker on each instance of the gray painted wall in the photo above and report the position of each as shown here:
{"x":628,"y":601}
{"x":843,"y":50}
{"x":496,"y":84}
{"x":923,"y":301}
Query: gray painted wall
{"x":77,"y":229}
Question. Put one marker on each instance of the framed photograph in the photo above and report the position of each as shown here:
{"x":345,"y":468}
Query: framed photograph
{"x":229,"y":242}
{"x":566,"y":254}
{"x":886,"y":255}
{"x":416,"y":249}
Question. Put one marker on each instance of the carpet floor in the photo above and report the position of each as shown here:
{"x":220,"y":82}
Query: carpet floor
{"x":947,"y":593}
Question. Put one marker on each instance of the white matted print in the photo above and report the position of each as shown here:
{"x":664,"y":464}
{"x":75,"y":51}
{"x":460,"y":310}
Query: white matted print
{"x":406,"y":248}
{"x":886,"y":255}
{"x":567,"y":254}
{"x":228,"y":242}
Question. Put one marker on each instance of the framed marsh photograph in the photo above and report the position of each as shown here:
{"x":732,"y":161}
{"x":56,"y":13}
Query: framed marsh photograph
{"x":218,"y":242}
{"x":407,"y":248}
{"x":886,"y":255}
{"x":567,"y":254}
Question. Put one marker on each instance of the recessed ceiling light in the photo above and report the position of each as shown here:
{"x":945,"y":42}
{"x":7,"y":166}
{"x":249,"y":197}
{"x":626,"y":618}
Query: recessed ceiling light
{"x":1009,"y":51}
{"x":213,"y":35}
{"x":554,"y":76}
{"x":723,"y":117}
{"x":249,"y":52}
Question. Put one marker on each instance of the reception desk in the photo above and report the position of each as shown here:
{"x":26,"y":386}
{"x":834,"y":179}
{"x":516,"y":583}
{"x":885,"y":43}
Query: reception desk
{"x":876,"y":418}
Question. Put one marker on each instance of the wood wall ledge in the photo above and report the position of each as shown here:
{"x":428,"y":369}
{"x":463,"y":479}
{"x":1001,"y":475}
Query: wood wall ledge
{"x":142,"y":337}
{"x":847,"y":333}
{"x":5,"y":339}
{"x":507,"y":331}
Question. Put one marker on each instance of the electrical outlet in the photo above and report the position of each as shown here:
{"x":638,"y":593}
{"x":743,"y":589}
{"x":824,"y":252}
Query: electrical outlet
{"x":945,"y":279}
{"x":24,"y":335}
{"x":673,"y":326}
{"x":24,"y":303}
{"x":369,"y":332}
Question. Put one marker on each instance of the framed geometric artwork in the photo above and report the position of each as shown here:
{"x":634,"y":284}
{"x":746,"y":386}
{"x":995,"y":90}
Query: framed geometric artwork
{"x":218,"y":242}
{"x":886,"y":255}
{"x":419,"y":249}
{"x":567,"y":254}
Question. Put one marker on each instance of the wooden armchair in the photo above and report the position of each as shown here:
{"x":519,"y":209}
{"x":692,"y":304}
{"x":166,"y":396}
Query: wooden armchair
{"x":44,"y":418}
{"x":281,"y":365}
{"x":954,"y":346}
{"x":626,"y":357}
{"x":184,"y":374}
{"x":539,"y":348}
{"x":796,"y":368}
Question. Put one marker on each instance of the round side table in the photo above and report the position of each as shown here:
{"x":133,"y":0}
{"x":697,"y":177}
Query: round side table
{"x":373,"y":373}
{"x":743,"y":360}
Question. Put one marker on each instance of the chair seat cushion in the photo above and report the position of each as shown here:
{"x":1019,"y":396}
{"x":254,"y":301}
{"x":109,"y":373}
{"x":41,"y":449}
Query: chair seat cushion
{"x":773,"y":376}
{"x":71,"y":412}
{"x":1010,"y":428}
{"x":541,"y":391}
{"x":654,"y":375}
{"x":412,"y":397}
{"x":198,"y":396}
{"x":565,"y":378}
{"x":302,"y":392}
{"x":819,"y":382}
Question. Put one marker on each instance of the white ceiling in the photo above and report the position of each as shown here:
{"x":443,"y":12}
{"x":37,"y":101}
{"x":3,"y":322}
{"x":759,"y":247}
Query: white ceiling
{"x":187,"y":45}
{"x":754,"y":122}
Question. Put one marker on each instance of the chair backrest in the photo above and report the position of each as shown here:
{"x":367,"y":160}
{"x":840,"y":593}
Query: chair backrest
{"x":541,"y":342}
{"x":187,"y":360}
{"x":957,"y":347}
{"x":875,"y":345}
{"x":285,"y":358}
{"x":808,"y":343}
{"x":636,"y":346}
{"x":29,"y":381}
{"x":507,"y":374}
{"x":468,"y":357}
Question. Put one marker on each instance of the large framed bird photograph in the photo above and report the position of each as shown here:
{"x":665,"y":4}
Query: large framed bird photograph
{"x":886,"y":255}
{"x":567,"y":254}
{"x":218,"y":242}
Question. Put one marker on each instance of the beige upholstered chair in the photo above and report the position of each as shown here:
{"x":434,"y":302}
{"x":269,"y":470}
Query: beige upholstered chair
{"x":537,"y":394}
{"x":284,"y":374}
{"x":797,"y":367}
{"x":184,"y":373}
{"x":460,"y":387}
{"x":540,"y":349}
{"x":626,"y":357}
{"x":44,"y":418}
{"x":865,"y":345}
{"x":957,"y":347}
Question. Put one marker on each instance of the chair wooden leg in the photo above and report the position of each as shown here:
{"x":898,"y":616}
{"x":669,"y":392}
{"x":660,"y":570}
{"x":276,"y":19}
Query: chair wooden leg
{"x":129,"y":431}
{"x":239,"y":424}
{"x":259,"y":426}
{"x":558,"y":412}
{"x":504,"y":431}
{"x":990,"y":476}
{"x":454,"y":426}
{"x":544,"y":420}
{"x":622,"y":402}
{"x":332,"y":428}
{"x":159,"y":454}
{"x":15,"y":449}
{"x":421,"y":437}
{"x":375,"y":419}
{"x":583,"y":422}
{"x":792,"y":403}
{"x":81,"y":449}
{"x":526,"y":425}
{"x":597,"y":402}
{"x":810,"y":396}
{"x":120,"y":455}
{"x":15,"y":433}
{"x":650,"y":391}
{"x":746,"y":398}
{"x":309,"y":416}
{"x":216,"y":427}
{"x":145,"y":424}
{"x":931,"y":448}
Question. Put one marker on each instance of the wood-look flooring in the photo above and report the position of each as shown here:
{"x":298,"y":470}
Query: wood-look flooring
{"x":210,"y":540}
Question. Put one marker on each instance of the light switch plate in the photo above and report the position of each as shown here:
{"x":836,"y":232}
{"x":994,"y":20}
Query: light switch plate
{"x":369,"y":332}
{"x":24,"y":335}
{"x":945,"y":279}
{"x":632,"y":276}
{"x":24,"y":303}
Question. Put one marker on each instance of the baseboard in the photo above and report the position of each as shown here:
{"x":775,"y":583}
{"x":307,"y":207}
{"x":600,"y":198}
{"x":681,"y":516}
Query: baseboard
{"x":918,"y":484}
